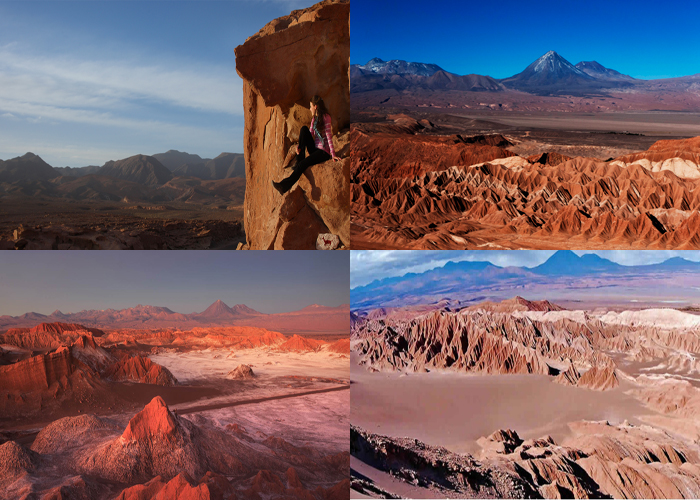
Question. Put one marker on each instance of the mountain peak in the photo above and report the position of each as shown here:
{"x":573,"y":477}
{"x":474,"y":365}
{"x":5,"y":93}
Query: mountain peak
{"x":600,"y":72}
{"x":399,"y":67}
{"x":154,"y":421}
{"x":216,"y":309}
{"x":550,"y":72}
{"x":567,"y":263}
{"x":555,"y":63}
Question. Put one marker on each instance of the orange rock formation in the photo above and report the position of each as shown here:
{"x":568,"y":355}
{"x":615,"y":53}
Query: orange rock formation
{"x":282,"y":67}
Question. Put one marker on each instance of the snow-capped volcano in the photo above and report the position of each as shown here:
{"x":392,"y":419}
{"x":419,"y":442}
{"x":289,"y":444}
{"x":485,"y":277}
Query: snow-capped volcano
{"x":553,"y":64}
{"x":600,"y":72}
{"x":549,"y":70}
{"x":397,"y":67}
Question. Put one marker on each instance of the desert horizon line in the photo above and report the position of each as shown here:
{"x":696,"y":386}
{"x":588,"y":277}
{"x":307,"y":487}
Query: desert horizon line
{"x":506,"y":77}
{"x":204,"y":159}
{"x":142,"y":306}
{"x":523,"y":266}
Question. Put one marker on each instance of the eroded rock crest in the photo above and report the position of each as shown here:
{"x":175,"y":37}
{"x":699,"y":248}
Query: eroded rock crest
{"x":283,"y":66}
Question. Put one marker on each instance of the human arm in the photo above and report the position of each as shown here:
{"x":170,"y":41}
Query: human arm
{"x":329,"y":136}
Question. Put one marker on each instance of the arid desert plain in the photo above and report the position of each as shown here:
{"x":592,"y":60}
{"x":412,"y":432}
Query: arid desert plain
{"x":557,"y":156}
{"x":207,"y":409}
{"x":495,"y":395}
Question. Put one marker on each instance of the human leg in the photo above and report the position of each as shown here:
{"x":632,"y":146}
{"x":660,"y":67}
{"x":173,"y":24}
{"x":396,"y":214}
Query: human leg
{"x":318,"y":156}
{"x":306,"y":143}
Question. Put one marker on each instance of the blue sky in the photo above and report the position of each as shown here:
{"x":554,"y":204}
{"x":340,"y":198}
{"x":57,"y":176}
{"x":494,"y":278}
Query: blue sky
{"x":367,"y":266}
{"x":640,"y":38}
{"x":85,"y":82}
{"x":184,"y":281}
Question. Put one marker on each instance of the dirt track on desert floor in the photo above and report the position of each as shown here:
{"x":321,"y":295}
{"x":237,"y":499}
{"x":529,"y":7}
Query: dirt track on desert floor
{"x":217,"y":406}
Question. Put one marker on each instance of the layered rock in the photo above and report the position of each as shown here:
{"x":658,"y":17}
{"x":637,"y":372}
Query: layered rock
{"x":680,"y":156}
{"x":283,"y":66}
{"x":300,"y":344}
{"x":155,"y":442}
{"x":598,"y":461}
{"x":476,"y":341}
{"x":140,"y":369}
{"x":400,"y":199}
{"x":39,"y":372}
{"x":48,"y":335}
{"x":241,"y":371}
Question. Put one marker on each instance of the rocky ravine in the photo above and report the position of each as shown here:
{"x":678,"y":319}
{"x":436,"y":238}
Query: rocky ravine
{"x":490,"y":198}
{"x":650,"y":354}
{"x":487,"y":342}
{"x":282,"y":66}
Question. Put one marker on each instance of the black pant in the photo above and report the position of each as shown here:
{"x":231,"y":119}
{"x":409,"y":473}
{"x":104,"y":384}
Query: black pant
{"x":315,"y":156}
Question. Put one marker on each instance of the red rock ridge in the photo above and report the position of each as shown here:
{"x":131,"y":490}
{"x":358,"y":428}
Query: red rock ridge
{"x":155,"y":420}
{"x":47,"y":335}
{"x":39,"y":372}
{"x":140,"y":369}
{"x":341,"y":346}
{"x":300,"y":344}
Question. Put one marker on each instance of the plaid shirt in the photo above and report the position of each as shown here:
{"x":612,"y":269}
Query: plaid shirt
{"x":326,"y":145}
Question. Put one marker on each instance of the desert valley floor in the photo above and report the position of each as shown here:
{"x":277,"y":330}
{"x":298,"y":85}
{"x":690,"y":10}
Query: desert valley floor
{"x":470,"y":394}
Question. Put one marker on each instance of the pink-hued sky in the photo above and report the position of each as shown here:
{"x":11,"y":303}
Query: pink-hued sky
{"x":184,"y":281}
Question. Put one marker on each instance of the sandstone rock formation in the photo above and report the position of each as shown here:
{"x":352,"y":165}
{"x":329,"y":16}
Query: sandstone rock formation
{"x":75,"y":373}
{"x":479,"y":341}
{"x":341,"y":346}
{"x":47,"y":335}
{"x":155,"y":442}
{"x":282,"y":66}
{"x":401,"y":199}
{"x":301,"y":344}
{"x":56,"y":369}
{"x":598,"y":461}
{"x":180,"y":487}
{"x":140,"y":369}
{"x":436,"y":468}
{"x":241,"y":371}
{"x":160,"y":455}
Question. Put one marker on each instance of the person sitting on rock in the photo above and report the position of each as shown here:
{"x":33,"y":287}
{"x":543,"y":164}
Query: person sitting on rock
{"x":315,"y":145}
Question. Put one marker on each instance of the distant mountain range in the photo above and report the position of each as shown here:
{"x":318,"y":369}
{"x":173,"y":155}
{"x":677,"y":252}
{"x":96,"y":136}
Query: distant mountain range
{"x":224,"y":166}
{"x":469,"y":280}
{"x":170,"y":176}
{"x":550,"y":74}
{"x":312,"y":318}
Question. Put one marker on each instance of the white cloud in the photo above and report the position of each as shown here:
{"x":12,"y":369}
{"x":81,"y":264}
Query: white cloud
{"x":176,"y":103}
{"x":66,"y":82}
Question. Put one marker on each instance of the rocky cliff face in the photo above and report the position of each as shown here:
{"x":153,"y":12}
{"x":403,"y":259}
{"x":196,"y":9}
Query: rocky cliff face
{"x":282,"y":66}
{"x":39,"y":372}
